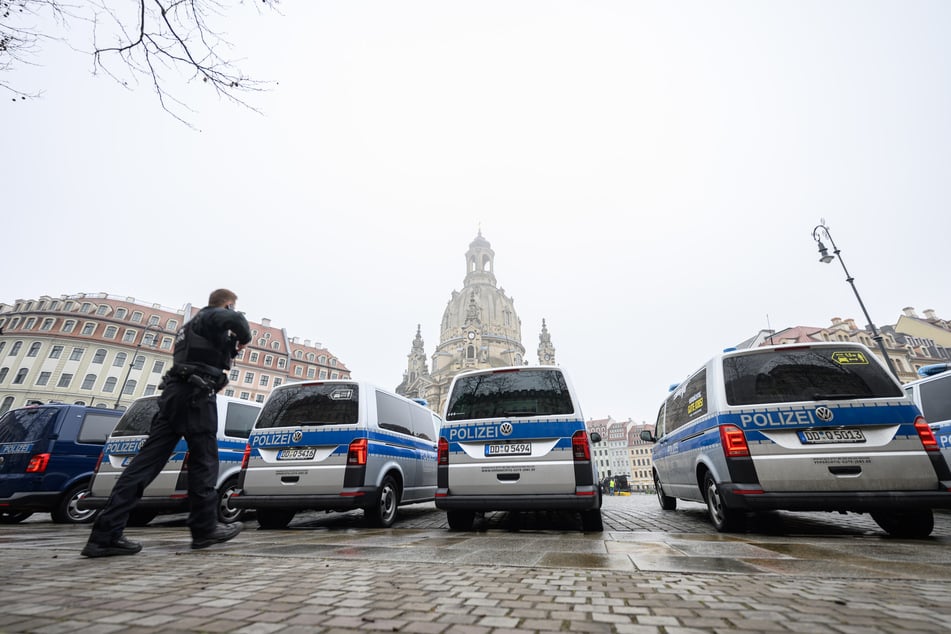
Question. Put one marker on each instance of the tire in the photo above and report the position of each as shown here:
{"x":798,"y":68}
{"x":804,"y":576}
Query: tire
{"x":228,"y":514}
{"x":269,"y":519}
{"x":591,"y":521}
{"x":67,"y":510}
{"x":460,"y":520}
{"x":14,"y":517}
{"x":383,"y":512}
{"x":908,"y":524}
{"x":141,"y":517}
{"x":667,"y":503}
{"x":724,"y":519}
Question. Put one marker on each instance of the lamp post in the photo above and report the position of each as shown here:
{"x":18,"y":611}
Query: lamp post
{"x":822,"y":230}
{"x":135,"y":355}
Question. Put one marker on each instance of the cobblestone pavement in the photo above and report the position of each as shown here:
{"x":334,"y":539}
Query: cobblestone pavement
{"x":650,"y":571}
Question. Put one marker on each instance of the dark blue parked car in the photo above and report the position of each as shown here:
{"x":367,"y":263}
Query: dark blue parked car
{"x":47,"y":457}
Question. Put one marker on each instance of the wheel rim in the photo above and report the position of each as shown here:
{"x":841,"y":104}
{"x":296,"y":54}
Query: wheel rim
{"x":714,"y":503}
{"x":659,"y":489}
{"x":226,"y":512}
{"x":387,"y":503}
{"x":75,"y":513}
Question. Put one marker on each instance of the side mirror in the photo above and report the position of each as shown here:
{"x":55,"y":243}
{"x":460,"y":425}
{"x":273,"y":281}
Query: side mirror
{"x":595,"y":437}
{"x":647,"y":436}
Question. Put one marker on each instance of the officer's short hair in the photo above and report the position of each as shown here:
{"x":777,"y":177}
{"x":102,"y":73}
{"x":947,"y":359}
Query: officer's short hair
{"x":221,"y":297}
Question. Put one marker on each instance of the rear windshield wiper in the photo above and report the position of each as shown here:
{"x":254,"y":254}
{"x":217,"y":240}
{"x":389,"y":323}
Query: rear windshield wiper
{"x":837,"y":397}
{"x":517,"y":412}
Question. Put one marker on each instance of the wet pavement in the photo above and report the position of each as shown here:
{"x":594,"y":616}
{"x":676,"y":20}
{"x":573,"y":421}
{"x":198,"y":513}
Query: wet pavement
{"x":649,"y":571}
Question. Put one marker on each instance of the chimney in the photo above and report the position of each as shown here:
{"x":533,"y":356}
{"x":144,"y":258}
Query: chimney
{"x":851,"y":323}
{"x":266,"y":322}
{"x":836,"y":321}
{"x":930,"y":314}
{"x":909,"y":311}
{"x":307,"y":342}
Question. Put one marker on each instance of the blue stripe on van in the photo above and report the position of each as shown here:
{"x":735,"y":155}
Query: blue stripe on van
{"x":337,"y":436}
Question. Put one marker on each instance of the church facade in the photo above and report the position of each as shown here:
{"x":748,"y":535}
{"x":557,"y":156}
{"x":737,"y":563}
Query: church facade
{"x":479,"y":329}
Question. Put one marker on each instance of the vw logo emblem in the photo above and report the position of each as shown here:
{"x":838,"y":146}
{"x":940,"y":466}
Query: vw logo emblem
{"x":505,"y":428}
{"x":298,"y":435}
{"x":824,"y":414}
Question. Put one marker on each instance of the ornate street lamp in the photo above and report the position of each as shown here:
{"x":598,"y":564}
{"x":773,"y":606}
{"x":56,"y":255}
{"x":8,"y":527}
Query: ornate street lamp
{"x":135,"y":355}
{"x":822,"y":230}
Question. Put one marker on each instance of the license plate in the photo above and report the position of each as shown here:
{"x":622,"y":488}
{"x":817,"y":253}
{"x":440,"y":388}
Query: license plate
{"x":509,"y":449}
{"x":297,"y":454}
{"x":126,"y":460}
{"x":820,"y":436}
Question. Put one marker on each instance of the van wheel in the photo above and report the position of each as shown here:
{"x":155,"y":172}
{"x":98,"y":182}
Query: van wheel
{"x":724,"y":519}
{"x":591,"y":521}
{"x":228,"y":514}
{"x":141,"y":517}
{"x":666,"y":502}
{"x":383,"y":512}
{"x":67,"y":511}
{"x":14,"y":517}
{"x":274,"y":518}
{"x":910,"y":524}
{"x":460,"y":520}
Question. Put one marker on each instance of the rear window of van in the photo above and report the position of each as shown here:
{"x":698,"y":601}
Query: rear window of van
{"x":27,"y":425}
{"x":137,"y":419}
{"x":311,"y":404}
{"x":509,"y":393}
{"x":805,"y":374}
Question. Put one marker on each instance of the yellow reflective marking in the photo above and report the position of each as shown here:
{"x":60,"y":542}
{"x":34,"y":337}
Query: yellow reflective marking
{"x":853,"y":357}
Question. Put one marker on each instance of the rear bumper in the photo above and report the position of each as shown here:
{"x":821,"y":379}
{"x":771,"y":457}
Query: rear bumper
{"x":516,"y":502}
{"x":31,"y":501}
{"x":354,"y":499}
{"x":858,"y":501}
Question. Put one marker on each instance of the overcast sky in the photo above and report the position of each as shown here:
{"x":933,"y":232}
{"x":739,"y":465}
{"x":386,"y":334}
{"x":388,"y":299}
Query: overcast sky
{"x":648,"y":173}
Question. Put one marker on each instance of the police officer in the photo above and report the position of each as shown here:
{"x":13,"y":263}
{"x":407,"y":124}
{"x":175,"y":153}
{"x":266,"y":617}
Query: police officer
{"x":204,"y":348}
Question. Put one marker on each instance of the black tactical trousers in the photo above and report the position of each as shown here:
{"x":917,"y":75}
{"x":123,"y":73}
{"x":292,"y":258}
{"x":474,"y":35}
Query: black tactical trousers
{"x":184,"y":411}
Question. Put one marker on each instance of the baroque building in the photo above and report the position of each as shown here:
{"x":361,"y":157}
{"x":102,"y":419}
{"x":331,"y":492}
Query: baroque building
{"x":103,"y":350}
{"x":479,"y":329}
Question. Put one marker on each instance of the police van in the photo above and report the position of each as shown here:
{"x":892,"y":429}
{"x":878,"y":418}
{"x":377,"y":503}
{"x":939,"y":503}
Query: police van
{"x":814,"y":427}
{"x":168,"y":493}
{"x":932,"y":394}
{"x":338,"y":445}
{"x":514,"y":439}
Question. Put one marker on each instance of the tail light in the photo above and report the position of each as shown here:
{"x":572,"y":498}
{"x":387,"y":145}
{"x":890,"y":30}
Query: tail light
{"x":357,"y":454}
{"x":734,"y":442}
{"x":99,"y":462}
{"x":928,"y":440}
{"x":38,"y":463}
{"x":443,"y":452}
{"x":579,"y":446}
{"x":185,"y":462}
{"x":246,"y":457}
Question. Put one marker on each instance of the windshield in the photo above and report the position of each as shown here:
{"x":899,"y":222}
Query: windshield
{"x":311,"y":404}
{"x":28,"y":424}
{"x":137,"y":419}
{"x":805,"y":374}
{"x":510,"y":393}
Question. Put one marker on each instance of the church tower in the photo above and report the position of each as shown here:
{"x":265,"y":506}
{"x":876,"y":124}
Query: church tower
{"x":546,"y":351}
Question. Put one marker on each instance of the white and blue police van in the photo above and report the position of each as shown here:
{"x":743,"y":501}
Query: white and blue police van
{"x":799,"y":427}
{"x":514,"y":439}
{"x":932,"y":394}
{"x":168,"y":493}
{"x":338,"y":445}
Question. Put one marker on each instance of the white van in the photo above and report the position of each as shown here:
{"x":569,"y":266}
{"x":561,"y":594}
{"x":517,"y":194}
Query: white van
{"x":932,"y":395}
{"x":514,"y":439}
{"x":801,"y":427}
{"x":168,"y":492}
{"x":337,"y":446}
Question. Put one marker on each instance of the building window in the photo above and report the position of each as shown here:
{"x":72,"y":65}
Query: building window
{"x":76,"y":354}
{"x":3,"y":374}
{"x":149,"y":390}
{"x":69,"y":305}
{"x":229,"y":392}
{"x":48,"y":324}
{"x":166,"y":343}
{"x":171,"y":324}
{"x":158,"y":367}
{"x":43,"y":378}
{"x":235,"y":373}
{"x":311,"y":357}
{"x":89,"y":327}
{"x":110,"y":332}
{"x":56,"y":352}
{"x":334,"y":375}
{"x":333,"y":363}
{"x":311,"y":373}
{"x":322,"y":359}
{"x":276,"y":345}
{"x":254,"y":357}
{"x":268,"y":360}
{"x":245,"y":396}
{"x":119,"y":361}
{"x":100,"y":356}
{"x":103,"y":309}
{"x":154,"y":320}
{"x":121,"y":313}
{"x":15,"y":348}
{"x":14,"y":322}
{"x":69,"y":325}
{"x":21,"y":374}
{"x":264,"y":380}
{"x":281,"y":363}
{"x":138,"y":362}
{"x":298,"y":355}
{"x":278,"y":381}
{"x":129,"y":336}
{"x":34,"y":349}
{"x":298,"y":371}
{"x":86,"y":308}
{"x":149,"y":339}
{"x":88,"y":382}
{"x":137,"y":316}
{"x":323,"y":374}
{"x":110,"y":384}
{"x":29,"y":323}
{"x":249,"y":377}
{"x":129,"y":386}
{"x":64,"y":380}
{"x":259,"y":398}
